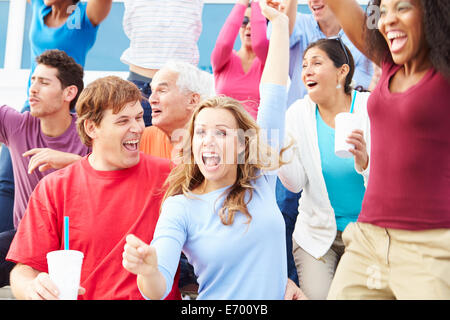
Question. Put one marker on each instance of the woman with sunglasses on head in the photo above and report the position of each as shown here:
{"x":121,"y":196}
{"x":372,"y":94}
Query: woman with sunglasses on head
{"x":399,"y":248}
{"x":237,"y":73}
{"x":220,"y":206}
{"x":333,"y":187}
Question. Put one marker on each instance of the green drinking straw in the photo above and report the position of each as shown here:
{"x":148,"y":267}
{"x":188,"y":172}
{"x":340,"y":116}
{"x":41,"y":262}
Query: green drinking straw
{"x":66,"y":233}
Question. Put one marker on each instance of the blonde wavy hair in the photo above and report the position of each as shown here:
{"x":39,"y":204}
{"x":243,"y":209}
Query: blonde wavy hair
{"x":257,"y":157}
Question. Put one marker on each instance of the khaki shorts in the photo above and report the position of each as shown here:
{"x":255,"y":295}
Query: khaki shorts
{"x":381,"y":263}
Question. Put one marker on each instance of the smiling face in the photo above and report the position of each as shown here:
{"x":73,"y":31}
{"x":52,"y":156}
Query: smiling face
{"x":321,"y":12}
{"x":320,"y":76}
{"x":401,"y":24}
{"x":215,"y":147}
{"x":115,"y":141}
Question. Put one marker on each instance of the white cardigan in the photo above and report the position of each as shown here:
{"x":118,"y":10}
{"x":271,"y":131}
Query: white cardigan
{"x":315,"y":229}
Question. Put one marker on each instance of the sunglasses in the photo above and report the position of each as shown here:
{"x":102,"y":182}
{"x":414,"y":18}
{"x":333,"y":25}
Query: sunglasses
{"x":342,"y":46}
{"x":245,"y":22}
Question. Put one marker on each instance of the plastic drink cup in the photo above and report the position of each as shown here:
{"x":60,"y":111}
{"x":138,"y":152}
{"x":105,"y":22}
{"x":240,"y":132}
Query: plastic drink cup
{"x":344,"y":124}
{"x":64,"y":268}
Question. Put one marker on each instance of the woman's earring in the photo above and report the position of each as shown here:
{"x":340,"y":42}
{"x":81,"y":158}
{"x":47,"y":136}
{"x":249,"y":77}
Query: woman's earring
{"x":338,"y":86}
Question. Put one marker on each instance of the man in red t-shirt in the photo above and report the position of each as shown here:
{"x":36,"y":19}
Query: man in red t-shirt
{"x":110,"y":193}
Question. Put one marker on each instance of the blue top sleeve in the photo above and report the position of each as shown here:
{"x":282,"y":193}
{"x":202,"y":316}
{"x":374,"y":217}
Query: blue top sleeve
{"x":169,"y":238}
{"x":271,"y":113}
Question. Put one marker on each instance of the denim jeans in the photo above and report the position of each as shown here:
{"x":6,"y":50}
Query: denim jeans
{"x":5,"y":266}
{"x":288,"y":203}
{"x":143,"y":84}
{"x":6,"y":190}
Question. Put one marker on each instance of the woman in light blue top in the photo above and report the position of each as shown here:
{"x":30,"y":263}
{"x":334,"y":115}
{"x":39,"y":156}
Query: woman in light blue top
{"x":220,"y":206}
{"x":333,"y":187}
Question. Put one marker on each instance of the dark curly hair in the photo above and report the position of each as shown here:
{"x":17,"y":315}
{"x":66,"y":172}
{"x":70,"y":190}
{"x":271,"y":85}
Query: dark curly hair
{"x":69,"y":72}
{"x":436,"y":20}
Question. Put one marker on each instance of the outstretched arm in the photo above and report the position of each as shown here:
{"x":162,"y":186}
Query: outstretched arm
{"x":140,"y":259}
{"x":98,"y":10}
{"x":273,"y":90}
{"x":46,"y":158}
{"x":223,"y":48}
{"x":260,"y":43}
{"x":277,"y":63}
{"x":290,"y":9}
{"x":274,"y":78}
{"x":352,"y":19}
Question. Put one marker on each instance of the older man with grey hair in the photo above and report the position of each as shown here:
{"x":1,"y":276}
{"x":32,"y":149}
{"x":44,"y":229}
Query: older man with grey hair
{"x":177,"y":88}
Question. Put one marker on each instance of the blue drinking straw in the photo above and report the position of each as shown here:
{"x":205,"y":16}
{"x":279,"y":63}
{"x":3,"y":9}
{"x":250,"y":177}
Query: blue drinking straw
{"x":66,"y":233}
{"x":353,"y":101}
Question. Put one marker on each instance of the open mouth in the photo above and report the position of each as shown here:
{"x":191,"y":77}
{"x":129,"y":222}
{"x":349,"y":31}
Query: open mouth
{"x":311,"y":84}
{"x":131,"y":145}
{"x":317,"y":8}
{"x":397,"y":40}
{"x":211,"y":160}
{"x":155,"y":112}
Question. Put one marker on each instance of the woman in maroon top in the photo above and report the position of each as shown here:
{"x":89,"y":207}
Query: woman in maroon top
{"x":400,"y":246}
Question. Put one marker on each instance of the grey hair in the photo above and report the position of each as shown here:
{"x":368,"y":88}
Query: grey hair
{"x":191,"y":78}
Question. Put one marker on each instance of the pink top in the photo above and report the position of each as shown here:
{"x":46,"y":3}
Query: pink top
{"x":230,"y":78}
{"x":409,"y":180}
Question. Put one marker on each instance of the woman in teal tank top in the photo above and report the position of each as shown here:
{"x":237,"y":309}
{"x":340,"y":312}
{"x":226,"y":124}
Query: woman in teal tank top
{"x":332,"y":189}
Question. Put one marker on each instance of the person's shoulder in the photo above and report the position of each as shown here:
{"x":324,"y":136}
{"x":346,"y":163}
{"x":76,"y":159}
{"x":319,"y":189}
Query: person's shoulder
{"x":177,"y":200}
{"x":67,"y":172}
{"x":10,"y":110}
{"x":150,"y":133}
{"x":305,"y":18}
{"x":57,"y":179}
{"x":38,"y":3}
{"x":79,"y":6}
{"x":11,"y":117}
{"x":300,"y":106}
{"x":155,"y":163}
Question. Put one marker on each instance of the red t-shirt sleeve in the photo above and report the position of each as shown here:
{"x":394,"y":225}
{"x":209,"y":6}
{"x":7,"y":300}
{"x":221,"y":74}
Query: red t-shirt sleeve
{"x":39,"y":231}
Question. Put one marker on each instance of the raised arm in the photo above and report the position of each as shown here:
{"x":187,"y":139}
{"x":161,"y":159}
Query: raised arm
{"x":221,"y":53}
{"x":273,"y":90}
{"x":260,"y":43}
{"x":274,"y":78}
{"x":352,"y":19}
{"x":290,"y":9}
{"x":98,"y":10}
{"x":277,"y":63}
